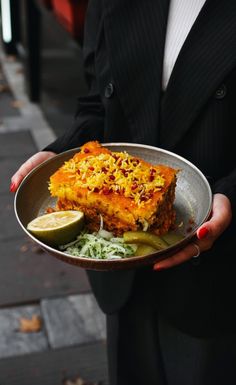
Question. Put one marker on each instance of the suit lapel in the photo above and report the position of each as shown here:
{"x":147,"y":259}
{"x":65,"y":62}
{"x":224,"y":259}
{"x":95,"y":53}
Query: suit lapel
{"x":207,"y":56}
{"x":135,"y":29}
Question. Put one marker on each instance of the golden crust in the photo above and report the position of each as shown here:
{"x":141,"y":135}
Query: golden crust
{"x":128,"y":192}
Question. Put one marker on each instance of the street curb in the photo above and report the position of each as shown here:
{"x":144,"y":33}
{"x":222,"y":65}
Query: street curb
{"x":38,"y":126}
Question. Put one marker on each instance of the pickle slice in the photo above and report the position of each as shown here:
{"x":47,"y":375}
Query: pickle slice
{"x":145,"y":237}
{"x":143,"y":249}
{"x":171,"y":238}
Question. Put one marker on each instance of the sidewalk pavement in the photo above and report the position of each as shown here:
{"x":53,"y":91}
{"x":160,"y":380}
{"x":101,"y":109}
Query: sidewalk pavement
{"x":68,"y":347}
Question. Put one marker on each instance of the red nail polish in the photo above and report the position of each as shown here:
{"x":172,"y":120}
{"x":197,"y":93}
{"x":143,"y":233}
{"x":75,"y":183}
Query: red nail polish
{"x":12,"y":187}
{"x":158,"y":268}
{"x":203,"y":233}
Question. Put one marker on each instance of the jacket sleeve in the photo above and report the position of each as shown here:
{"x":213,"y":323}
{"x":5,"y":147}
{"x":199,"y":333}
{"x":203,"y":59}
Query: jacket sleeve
{"x":89,"y":118}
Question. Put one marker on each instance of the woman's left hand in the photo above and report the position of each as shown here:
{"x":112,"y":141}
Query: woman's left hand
{"x":206,"y":235}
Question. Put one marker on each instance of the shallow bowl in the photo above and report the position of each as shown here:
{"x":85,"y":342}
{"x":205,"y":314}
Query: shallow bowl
{"x":193,"y":203}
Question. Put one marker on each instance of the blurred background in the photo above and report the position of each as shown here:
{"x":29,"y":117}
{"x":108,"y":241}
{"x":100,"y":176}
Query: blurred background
{"x":47,"y":37}
{"x":51,"y":329}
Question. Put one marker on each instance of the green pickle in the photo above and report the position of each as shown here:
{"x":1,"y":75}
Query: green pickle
{"x":171,"y":238}
{"x":144,"y":250}
{"x":145,"y":237}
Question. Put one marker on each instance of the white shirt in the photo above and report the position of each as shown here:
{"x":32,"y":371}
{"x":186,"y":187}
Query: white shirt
{"x":182,"y":15}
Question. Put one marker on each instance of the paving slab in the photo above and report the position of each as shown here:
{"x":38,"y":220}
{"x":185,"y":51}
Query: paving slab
{"x":12,"y":124}
{"x":56,"y":367}
{"x":30,"y":112}
{"x":73,"y":320}
{"x":29,"y":274}
{"x":12,"y":341}
{"x":92,"y":318}
{"x":9,"y":227}
{"x":6,"y":98}
{"x":7,"y":105}
{"x":17,"y":144}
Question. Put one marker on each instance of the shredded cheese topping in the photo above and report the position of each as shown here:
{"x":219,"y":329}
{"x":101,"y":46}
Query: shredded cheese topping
{"x":115,"y":172}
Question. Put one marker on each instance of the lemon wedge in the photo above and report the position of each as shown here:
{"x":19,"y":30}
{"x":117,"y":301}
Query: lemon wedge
{"x":57,"y":228}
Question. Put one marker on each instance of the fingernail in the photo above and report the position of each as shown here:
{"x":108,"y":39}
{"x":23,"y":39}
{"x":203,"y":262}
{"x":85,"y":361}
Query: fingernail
{"x":12,"y":187}
{"x":203,"y":233}
{"x":158,"y":268}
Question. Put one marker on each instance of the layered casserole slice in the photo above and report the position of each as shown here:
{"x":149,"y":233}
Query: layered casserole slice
{"x":127,"y":192}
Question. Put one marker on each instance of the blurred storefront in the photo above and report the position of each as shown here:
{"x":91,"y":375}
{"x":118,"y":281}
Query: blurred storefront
{"x":22,"y":30}
{"x":47,"y":37}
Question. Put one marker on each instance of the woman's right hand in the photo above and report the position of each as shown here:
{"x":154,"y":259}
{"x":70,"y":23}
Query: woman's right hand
{"x":26,"y":167}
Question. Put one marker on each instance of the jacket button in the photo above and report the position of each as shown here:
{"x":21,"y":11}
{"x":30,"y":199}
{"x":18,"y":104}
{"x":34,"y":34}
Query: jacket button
{"x":221,"y":92}
{"x":109,"y":90}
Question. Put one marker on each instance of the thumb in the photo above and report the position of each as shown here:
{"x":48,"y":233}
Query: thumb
{"x":220,"y":218}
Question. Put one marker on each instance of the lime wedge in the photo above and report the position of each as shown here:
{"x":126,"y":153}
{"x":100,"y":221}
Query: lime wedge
{"x":57,"y":228}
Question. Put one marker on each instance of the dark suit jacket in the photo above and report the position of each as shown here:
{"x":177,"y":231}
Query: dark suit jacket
{"x":195,"y":117}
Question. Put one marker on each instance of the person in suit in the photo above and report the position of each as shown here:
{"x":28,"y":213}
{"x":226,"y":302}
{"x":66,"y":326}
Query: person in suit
{"x":164,"y":73}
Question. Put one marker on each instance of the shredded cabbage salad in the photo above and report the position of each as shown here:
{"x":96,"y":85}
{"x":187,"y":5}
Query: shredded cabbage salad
{"x":95,"y":246}
{"x":99,"y":245}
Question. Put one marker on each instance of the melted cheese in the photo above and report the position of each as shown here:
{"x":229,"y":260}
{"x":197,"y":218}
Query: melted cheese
{"x":106,"y":172}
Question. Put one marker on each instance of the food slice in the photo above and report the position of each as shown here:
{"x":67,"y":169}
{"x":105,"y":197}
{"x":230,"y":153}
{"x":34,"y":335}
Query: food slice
{"x":128,"y":192}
